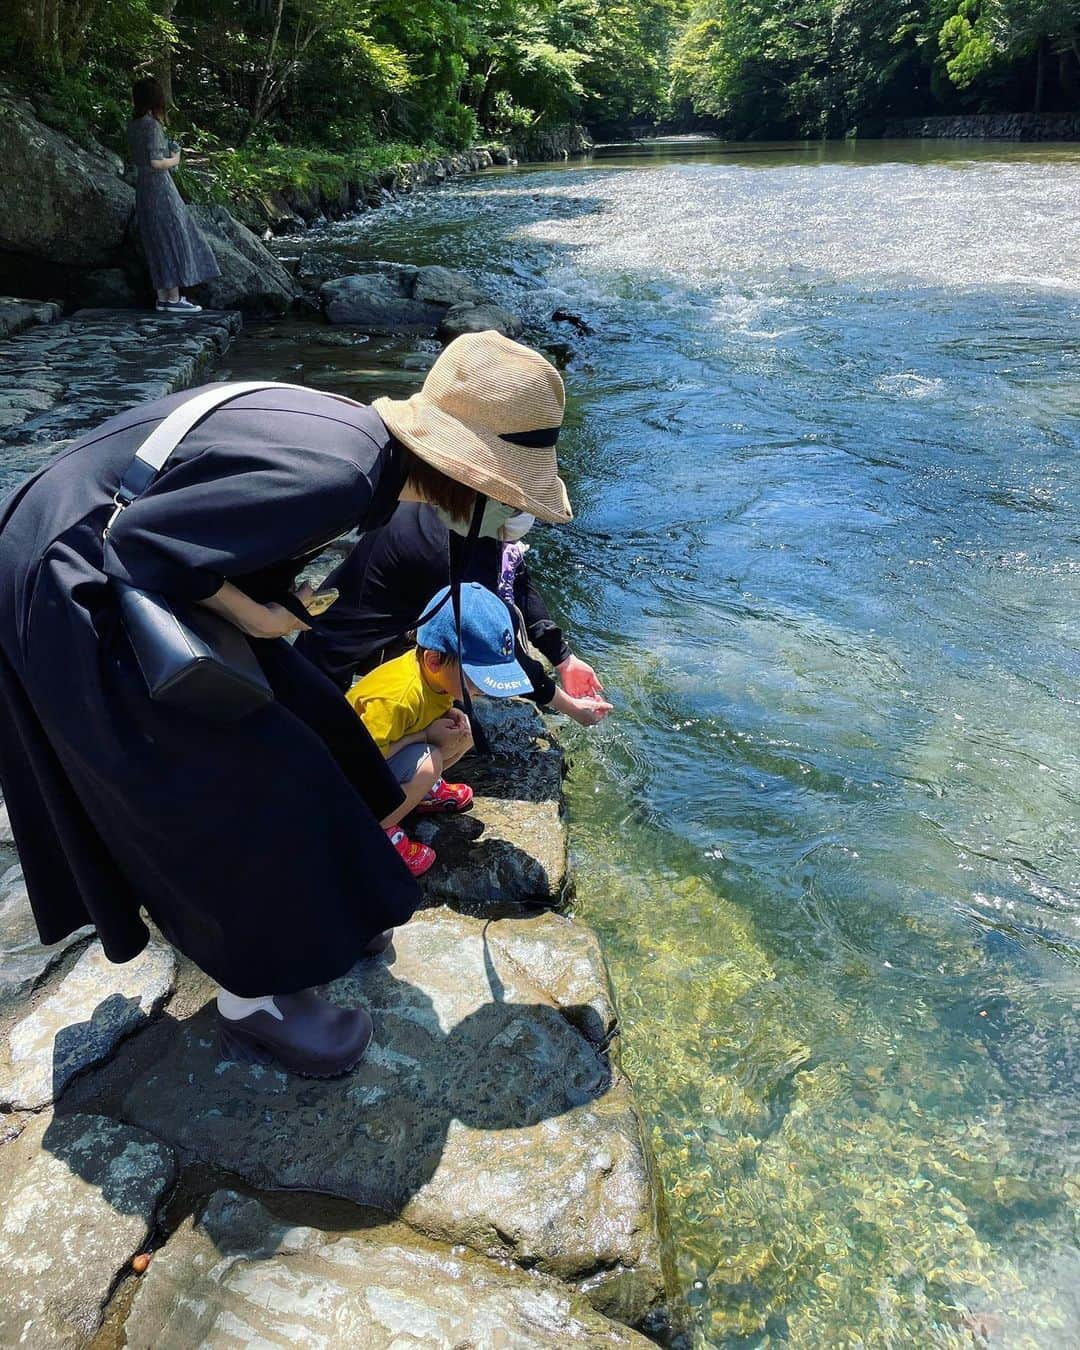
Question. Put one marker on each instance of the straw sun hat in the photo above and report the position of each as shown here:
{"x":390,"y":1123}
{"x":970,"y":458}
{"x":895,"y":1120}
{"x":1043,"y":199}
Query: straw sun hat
{"x":489,"y":415}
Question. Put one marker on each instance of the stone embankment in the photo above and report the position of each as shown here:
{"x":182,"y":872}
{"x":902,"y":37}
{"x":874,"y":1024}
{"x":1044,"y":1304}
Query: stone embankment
{"x":989,"y":127}
{"x":59,"y":376}
{"x":481,"y":1178}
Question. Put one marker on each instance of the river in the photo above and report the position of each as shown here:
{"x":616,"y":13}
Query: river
{"x":823,"y":451}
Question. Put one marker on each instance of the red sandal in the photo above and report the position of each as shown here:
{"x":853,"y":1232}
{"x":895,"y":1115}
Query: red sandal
{"x":443,"y":797}
{"x":417,"y":857}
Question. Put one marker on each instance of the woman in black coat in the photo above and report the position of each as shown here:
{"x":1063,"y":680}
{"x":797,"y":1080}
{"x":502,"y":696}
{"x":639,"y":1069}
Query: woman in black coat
{"x":255,"y":847}
{"x":390,"y":576}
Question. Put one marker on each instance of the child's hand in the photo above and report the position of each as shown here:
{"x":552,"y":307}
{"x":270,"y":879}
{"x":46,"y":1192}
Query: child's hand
{"x":578,"y":678}
{"x":444,"y":731}
{"x":461,"y":722}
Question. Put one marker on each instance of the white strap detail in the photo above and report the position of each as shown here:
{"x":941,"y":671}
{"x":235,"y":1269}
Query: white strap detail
{"x":168,"y":433}
{"x":171,"y":430}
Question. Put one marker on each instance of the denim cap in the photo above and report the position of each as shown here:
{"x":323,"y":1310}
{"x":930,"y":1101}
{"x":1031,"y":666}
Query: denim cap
{"x":487,"y":640}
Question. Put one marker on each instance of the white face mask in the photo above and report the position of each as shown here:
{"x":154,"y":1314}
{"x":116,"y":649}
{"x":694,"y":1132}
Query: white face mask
{"x":494,"y":519}
{"x":517,"y":527}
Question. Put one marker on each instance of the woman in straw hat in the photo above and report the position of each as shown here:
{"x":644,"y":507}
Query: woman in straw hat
{"x":120,"y":803}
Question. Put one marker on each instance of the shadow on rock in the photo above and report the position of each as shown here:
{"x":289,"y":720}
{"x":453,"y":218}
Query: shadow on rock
{"x":480,"y":871}
{"x":484,"y":1113}
{"x":442,"y":1063}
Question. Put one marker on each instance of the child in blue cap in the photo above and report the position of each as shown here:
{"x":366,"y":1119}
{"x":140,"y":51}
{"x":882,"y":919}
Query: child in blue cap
{"x":408,"y":705}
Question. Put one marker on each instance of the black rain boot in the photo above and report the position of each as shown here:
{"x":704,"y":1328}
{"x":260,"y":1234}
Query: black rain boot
{"x":313,"y":1037}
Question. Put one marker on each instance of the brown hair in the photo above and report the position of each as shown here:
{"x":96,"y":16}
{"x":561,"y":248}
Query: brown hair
{"x":436,"y":488}
{"x":148,"y":96}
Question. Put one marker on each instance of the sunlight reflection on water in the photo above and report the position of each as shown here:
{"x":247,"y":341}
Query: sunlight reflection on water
{"x":823,"y":453}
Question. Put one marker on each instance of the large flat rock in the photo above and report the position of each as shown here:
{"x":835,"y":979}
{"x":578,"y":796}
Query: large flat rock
{"x":239,"y":1278}
{"x":78,"y":1197}
{"x":80,"y":1022}
{"x":486,"y":1112}
{"x":23,"y":960}
{"x":509,"y":852}
{"x":376,"y":303}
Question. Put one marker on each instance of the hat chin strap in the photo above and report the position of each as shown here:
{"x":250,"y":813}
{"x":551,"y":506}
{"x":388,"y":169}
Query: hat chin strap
{"x":457,"y":572}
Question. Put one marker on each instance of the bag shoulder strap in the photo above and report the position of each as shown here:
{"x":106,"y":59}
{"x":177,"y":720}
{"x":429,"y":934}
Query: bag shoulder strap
{"x":153,"y":454}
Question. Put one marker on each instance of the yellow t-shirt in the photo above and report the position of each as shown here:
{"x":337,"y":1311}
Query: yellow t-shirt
{"x":393,"y":701}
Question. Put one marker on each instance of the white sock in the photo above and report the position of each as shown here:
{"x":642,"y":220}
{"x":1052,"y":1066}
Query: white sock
{"x":234,"y":1007}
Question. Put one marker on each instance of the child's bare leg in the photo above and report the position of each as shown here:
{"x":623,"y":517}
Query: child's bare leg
{"x":430,"y":768}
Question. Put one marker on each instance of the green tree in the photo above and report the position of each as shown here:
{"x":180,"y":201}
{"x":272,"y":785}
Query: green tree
{"x":795,"y":67}
{"x":982,"y":39}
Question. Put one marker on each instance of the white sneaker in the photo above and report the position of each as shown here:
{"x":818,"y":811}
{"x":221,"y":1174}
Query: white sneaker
{"x":180,"y":306}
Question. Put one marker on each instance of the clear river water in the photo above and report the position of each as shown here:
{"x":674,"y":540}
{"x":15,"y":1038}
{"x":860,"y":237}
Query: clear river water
{"x":824,"y":451}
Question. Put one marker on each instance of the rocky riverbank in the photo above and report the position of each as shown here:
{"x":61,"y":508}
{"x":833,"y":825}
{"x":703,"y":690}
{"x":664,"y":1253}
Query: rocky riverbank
{"x":483,"y":1176}
{"x":73,"y":239}
{"x":989,"y":127}
{"x":292,"y":208}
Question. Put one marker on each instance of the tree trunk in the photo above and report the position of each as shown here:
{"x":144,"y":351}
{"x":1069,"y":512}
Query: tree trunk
{"x":1040,"y":76}
{"x":259,"y":106}
{"x":161,"y":67}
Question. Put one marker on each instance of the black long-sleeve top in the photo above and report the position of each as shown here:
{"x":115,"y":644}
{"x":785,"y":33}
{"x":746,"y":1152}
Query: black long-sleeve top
{"x":388,"y":579}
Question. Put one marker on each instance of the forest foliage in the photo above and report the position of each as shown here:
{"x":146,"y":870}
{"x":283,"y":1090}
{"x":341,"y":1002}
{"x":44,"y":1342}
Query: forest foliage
{"x":835,"y":67}
{"x":252,"y":78}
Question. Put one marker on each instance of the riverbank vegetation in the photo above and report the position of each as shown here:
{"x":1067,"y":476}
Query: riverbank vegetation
{"x":271,"y":91}
{"x":255,"y":78}
{"x":835,"y":67}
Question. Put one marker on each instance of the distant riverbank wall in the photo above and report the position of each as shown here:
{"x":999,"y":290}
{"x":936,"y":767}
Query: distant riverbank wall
{"x":988,"y":127}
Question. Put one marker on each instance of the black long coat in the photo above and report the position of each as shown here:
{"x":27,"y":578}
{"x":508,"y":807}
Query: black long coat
{"x":254,"y":847}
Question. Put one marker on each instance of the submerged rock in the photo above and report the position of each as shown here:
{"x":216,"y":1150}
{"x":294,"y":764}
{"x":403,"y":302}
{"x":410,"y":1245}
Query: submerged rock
{"x":375,"y":303}
{"x":78,"y":1197}
{"x":479,"y":319}
{"x":575,"y":321}
{"x":240,"y":1276}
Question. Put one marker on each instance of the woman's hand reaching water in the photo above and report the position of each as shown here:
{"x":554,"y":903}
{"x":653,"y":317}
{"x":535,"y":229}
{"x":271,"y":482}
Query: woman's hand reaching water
{"x":579,"y":679}
{"x":585,"y":711}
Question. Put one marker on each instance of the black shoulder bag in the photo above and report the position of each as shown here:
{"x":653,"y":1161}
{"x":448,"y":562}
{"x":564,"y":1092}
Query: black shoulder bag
{"x":190,"y":658}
